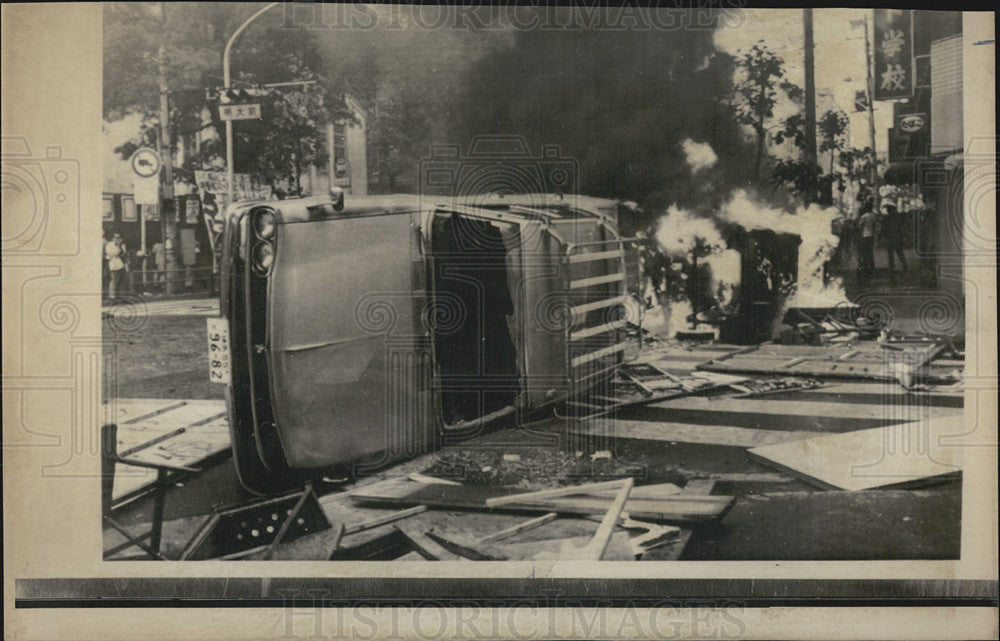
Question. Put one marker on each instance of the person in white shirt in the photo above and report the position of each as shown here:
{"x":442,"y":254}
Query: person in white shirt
{"x":116,"y":254}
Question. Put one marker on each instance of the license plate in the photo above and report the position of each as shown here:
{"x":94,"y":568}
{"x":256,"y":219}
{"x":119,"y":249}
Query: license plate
{"x":218,"y":351}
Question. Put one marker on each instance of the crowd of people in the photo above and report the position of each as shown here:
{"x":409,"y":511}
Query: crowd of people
{"x":124,"y":271}
{"x":893,"y":226}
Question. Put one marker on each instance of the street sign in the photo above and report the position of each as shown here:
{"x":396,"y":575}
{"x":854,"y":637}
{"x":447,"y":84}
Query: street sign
{"x":145,"y":162}
{"x":146,"y":190}
{"x":860,"y":101}
{"x":239,"y":112}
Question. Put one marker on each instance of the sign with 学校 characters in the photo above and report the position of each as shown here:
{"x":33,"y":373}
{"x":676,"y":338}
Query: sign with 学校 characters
{"x":893,"y":59}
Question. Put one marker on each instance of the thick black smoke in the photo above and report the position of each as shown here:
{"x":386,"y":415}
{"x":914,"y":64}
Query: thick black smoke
{"x":621,"y":103}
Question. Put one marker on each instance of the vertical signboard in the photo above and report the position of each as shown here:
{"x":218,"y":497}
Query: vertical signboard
{"x":192,"y":210}
{"x":893,"y":59}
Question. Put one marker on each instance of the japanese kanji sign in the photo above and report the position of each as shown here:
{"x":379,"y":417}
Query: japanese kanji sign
{"x":893,"y":59}
{"x":239,"y":112}
{"x":215,"y":182}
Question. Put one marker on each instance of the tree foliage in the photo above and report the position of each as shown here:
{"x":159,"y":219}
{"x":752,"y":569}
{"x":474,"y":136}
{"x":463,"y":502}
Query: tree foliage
{"x":758,"y":86}
{"x":292,"y":132}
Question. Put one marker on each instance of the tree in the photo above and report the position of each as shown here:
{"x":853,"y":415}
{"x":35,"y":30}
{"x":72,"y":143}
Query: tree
{"x":801,"y":173}
{"x":132,"y":35}
{"x":755,"y":95}
{"x":291,"y":133}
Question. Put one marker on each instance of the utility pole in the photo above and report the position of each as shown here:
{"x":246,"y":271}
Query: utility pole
{"x":227,"y":82}
{"x":166,"y":155}
{"x":876,"y":204}
{"x":810,"y":69}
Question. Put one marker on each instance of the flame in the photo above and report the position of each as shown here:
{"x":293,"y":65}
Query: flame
{"x":679,"y":231}
{"x":814,"y":225}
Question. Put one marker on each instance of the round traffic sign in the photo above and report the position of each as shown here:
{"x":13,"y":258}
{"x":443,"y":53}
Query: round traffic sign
{"x":145,"y":162}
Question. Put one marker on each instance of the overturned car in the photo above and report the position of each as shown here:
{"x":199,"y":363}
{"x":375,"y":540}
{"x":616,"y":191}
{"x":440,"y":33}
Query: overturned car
{"x":361,"y":329}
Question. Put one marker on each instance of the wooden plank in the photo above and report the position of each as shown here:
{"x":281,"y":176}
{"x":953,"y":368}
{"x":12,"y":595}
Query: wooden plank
{"x":671,"y":551}
{"x":655,"y":535}
{"x":471,"y":497}
{"x":619,"y":548}
{"x":869,"y":458}
{"x":520,"y":527}
{"x":595,"y":549}
{"x":653,"y":492}
{"x":892,"y":409}
{"x":465,"y":548}
{"x":420,"y":478}
{"x":426,"y":546}
{"x":699,"y":487}
{"x":588,"y":488}
{"x":382,"y":520}
{"x":686,"y":433}
{"x":674,"y":509}
{"x":188,"y":449}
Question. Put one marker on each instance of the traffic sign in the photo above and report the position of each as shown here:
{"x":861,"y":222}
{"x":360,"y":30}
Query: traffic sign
{"x":146,"y":190}
{"x":145,"y":162}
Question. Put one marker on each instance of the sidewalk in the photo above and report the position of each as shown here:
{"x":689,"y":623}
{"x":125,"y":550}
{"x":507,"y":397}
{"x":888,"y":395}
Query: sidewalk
{"x":166,"y":307}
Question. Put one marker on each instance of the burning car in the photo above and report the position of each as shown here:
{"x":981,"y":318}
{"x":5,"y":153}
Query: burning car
{"x":360,"y":329}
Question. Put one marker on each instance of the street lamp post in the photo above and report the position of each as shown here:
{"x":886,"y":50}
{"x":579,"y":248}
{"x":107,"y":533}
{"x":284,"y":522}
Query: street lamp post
{"x":227,"y":81}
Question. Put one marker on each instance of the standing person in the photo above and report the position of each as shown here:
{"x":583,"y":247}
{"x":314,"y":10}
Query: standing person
{"x":105,"y":276}
{"x":895,"y":240}
{"x":116,"y":254}
{"x":160,"y":260}
{"x":867,"y":229}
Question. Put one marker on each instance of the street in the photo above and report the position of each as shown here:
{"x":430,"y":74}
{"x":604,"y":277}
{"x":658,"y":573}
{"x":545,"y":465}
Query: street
{"x":695,"y":442}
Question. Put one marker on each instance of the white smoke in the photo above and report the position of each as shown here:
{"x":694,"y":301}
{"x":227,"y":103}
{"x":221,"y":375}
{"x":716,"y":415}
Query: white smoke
{"x":699,"y":155}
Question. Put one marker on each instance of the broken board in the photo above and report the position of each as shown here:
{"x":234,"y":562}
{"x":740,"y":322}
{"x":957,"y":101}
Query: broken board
{"x":867,"y":459}
{"x":619,"y":548}
{"x":686,"y":433}
{"x":866,"y":361}
{"x":168,"y":431}
{"x":677,"y":508}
